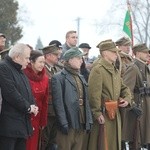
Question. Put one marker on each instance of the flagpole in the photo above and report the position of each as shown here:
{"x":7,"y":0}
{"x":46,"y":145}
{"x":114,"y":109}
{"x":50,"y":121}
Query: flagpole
{"x":129,"y":9}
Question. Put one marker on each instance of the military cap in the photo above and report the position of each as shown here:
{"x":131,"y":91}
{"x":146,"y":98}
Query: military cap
{"x":123,"y":41}
{"x":140,"y":48}
{"x":84,"y":45}
{"x":109,"y":40}
{"x":56,"y":42}
{"x":1,"y":34}
{"x":50,"y":49}
{"x":107,"y":45}
{"x":72,"y":52}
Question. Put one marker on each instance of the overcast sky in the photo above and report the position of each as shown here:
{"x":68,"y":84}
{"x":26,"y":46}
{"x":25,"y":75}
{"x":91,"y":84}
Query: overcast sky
{"x":51,"y":20}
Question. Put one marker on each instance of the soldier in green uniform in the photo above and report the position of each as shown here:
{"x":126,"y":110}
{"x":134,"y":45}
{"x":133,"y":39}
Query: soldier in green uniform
{"x":124,"y":44}
{"x":123,"y":61}
{"x":3,"y":51}
{"x":106,"y":94}
{"x":137,"y":78}
{"x":2,"y":41}
{"x":52,"y":55}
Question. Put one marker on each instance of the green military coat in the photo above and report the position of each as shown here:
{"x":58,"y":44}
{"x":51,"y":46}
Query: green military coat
{"x":105,"y":83}
{"x":132,"y":78}
{"x":126,"y":60}
{"x":50,"y":72}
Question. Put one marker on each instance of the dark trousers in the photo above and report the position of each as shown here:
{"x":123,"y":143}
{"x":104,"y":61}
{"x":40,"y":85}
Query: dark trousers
{"x":49,"y":134}
{"x":8,"y":143}
{"x":123,"y":145}
{"x":132,"y":147}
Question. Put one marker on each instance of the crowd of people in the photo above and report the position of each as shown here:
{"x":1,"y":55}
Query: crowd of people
{"x":58,"y":98}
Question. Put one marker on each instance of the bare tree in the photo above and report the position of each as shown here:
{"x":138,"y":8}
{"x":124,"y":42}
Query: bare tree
{"x":140,"y":13}
{"x":141,"y":20}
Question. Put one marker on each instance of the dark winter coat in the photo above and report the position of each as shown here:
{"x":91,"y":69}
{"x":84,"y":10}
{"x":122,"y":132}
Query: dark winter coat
{"x":66,"y":101}
{"x":17,"y":98}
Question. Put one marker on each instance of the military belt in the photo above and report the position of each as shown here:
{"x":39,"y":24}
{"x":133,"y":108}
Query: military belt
{"x":81,"y":102}
{"x":142,"y":91}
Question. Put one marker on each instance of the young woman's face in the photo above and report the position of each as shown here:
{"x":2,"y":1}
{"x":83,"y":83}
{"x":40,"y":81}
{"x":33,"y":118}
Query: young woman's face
{"x":38,"y":65}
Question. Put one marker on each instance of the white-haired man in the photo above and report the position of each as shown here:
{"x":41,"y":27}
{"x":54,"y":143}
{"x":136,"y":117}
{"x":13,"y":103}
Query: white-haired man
{"x":18,"y":102}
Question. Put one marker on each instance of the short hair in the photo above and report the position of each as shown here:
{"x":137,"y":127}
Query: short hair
{"x":70,"y":32}
{"x":35,"y":54}
{"x":17,"y":49}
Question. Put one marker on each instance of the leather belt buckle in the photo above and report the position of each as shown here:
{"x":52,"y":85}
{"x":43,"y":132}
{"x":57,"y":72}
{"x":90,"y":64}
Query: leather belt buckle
{"x":81,"y":102}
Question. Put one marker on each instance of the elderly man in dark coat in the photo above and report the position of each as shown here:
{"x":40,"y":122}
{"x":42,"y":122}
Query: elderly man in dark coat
{"x":18,"y":102}
{"x":71,"y":105}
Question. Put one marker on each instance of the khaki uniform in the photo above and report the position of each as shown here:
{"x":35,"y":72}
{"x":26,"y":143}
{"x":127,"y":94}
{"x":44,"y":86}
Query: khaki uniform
{"x":50,"y":131}
{"x":133,"y":78}
{"x":125,"y":60}
{"x":3,"y":53}
{"x":105,"y":83}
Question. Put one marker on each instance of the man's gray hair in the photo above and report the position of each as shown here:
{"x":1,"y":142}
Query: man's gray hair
{"x":17,"y":49}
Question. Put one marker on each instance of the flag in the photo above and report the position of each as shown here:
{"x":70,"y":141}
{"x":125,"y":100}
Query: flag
{"x":127,"y":28}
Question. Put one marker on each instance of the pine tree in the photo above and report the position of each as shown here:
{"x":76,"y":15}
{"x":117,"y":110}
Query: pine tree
{"x":39,"y":44}
{"x":9,"y":24}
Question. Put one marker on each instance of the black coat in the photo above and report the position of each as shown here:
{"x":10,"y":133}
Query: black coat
{"x":17,"y":98}
{"x":66,"y":102}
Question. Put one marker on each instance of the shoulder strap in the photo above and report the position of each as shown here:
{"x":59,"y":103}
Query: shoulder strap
{"x":140,"y":81}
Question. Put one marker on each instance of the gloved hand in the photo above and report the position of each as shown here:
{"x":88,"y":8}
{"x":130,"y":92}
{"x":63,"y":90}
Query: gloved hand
{"x":136,"y":110}
{"x":64,"y":129}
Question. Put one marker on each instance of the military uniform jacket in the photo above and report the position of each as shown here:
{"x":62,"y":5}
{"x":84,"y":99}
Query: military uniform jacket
{"x":133,"y":77}
{"x":126,"y":60}
{"x":66,"y":101}
{"x":105,"y":83}
{"x":50,"y":72}
{"x":123,"y":61}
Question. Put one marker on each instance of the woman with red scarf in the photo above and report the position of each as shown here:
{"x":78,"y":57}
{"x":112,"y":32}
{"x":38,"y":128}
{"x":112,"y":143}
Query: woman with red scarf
{"x":36,"y":74}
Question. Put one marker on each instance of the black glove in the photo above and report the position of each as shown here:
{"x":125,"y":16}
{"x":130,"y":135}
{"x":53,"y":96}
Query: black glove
{"x":64,"y":129}
{"x":136,"y":110}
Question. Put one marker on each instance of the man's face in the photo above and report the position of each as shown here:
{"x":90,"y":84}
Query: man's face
{"x":2,"y":42}
{"x":110,"y":56}
{"x":23,"y":59}
{"x":72,"y":39}
{"x":86,"y":51}
{"x":75,"y":62}
{"x":52,"y":58}
{"x":125,"y":49}
{"x":144,"y":56}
